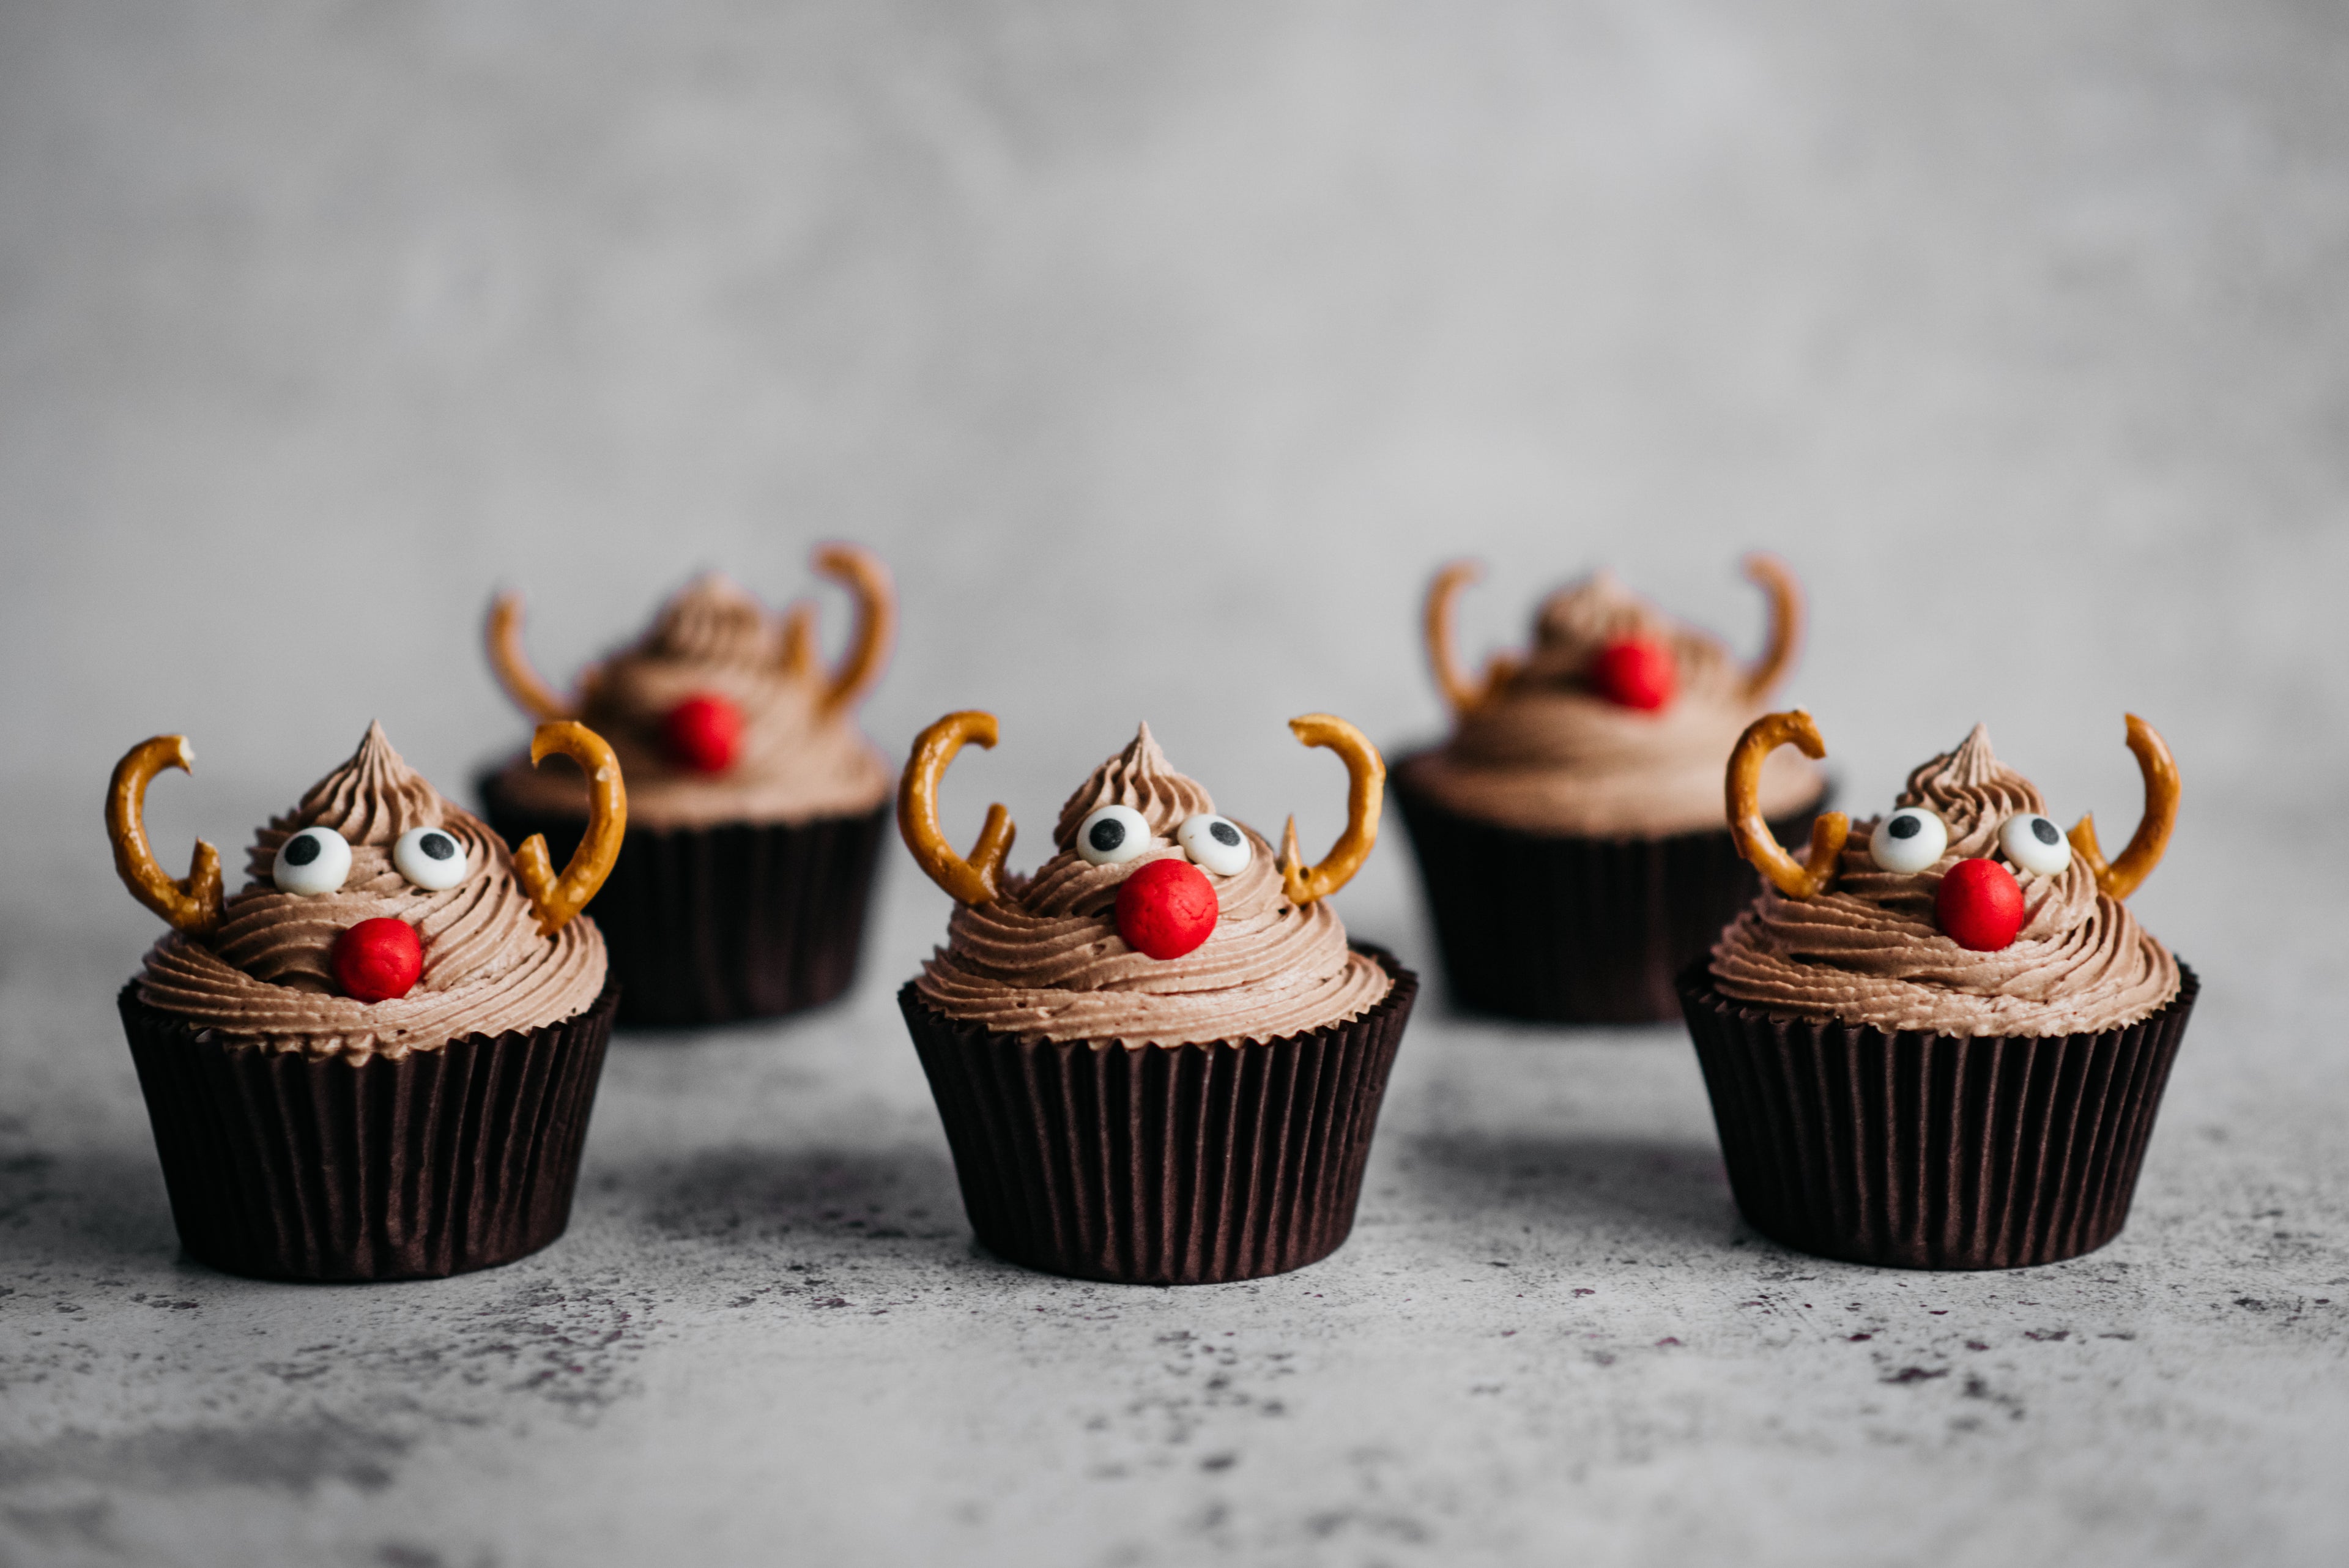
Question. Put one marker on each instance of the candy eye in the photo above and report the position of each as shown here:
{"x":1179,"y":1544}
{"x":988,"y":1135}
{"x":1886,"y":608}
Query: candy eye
{"x":1112,"y":835}
{"x":2035,"y":844}
{"x":1909,"y":840}
{"x":1215,"y":842}
{"x":431,"y":858}
{"x":313,"y":861}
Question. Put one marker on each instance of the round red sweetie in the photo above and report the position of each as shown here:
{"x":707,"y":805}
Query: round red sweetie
{"x":1167,"y":907}
{"x":1979,"y":905}
{"x":378,"y":959}
{"x":1638,"y":673}
{"x":703,"y":732}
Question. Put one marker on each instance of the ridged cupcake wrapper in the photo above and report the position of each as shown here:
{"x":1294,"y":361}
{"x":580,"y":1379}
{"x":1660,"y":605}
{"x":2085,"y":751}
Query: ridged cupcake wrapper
{"x":1168,"y":1165}
{"x":710,"y":925}
{"x":1564,"y":929}
{"x":1932,"y":1151}
{"x":286,"y":1166}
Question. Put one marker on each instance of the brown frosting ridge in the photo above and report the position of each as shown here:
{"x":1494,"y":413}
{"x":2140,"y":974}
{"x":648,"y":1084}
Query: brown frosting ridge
{"x":796,"y":760}
{"x":1868,"y":950}
{"x":263,"y":975}
{"x":1548,"y":754}
{"x":1045,"y":962}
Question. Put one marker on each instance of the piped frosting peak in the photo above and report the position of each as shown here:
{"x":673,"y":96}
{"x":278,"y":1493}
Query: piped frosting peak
{"x":1139,"y":776}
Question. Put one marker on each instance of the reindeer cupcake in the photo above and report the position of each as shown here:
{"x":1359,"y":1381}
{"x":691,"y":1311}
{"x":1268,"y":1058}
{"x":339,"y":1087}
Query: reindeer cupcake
{"x":1569,"y":832}
{"x":377,"y":1060}
{"x":1157,"y":1057}
{"x":758,"y":806}
{"x":1939,"y":1039}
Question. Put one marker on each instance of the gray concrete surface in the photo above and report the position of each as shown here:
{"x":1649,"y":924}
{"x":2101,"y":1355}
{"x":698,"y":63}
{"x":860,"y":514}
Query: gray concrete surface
{"x":1164,"y":350}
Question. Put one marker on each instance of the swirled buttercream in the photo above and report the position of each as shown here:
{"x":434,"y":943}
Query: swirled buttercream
{"x":1045,"y":962}
{"x":796,"y":759}
{"x":1549,"y":753}
{"x":1868,"y":951}
{"x":263,"y":976}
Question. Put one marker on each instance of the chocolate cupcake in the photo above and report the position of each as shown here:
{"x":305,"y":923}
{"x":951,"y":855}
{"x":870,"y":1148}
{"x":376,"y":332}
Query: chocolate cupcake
{"x":376,"y":1061}
{"x":1569,"y":832}
{"x":1940,"y":1039}
{"x":1157,"y":1059}
{"x":756,"y":807}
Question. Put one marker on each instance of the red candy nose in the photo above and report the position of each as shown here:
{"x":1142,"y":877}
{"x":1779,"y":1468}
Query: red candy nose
{"x":1166,"y":908}
{"x":703,"y":732}
{"x":1637,"y":672}
{"x":378,"y":959}
{"x":1979,"y":905}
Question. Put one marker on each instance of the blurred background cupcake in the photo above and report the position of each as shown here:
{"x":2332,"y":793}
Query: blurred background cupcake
{"x":1941,"y":1039}
{"x":1568,"y":834}
{"x":758,"y":806}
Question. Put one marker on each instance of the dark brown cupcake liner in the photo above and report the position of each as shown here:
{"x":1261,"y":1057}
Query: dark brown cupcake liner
{"x":1932,"y":1151}
{"x":286,"y":1166}
{"x":710,"y":925}
{"x":1166,"y":1165}
{"x":1562,"y":928}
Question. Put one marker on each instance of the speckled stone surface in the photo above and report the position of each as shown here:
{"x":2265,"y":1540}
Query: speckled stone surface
{"x":1163,"y":352}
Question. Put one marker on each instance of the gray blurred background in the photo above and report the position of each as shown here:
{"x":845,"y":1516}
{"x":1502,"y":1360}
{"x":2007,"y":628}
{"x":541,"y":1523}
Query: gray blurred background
{"x":1162,"y":352}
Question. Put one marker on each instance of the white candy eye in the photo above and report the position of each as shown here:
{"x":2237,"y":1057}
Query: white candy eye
{"x":1909,"y":840}
{"x":313,"y":861}
{"x":431,"y":858}
{"x":1112,"y":835}
{"x":2035,"y":844}
{"x":1215,"y":843}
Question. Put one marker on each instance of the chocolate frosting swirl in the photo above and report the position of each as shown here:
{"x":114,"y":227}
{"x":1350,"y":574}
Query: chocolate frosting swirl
{"x":795,"y":761}
{"x":1868,"y":950}
{"x":1045,"y":959}
{"x":263,"y":976}
{"x":1548,"y":754}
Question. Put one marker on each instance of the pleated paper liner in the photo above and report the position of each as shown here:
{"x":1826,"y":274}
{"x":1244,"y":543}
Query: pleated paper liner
{"x":1561,"y":929}
{"x":1932,"y":1151}
{"x":710,"y":925}
{"x":286,"y":1166}
{"x":1169,"y":1165}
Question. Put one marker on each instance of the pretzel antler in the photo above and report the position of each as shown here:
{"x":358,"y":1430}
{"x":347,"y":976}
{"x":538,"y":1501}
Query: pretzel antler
{"x":193,"y":906}
{"x":558,"y":900}
{"x":1366,"y":781}
{"x":977,"y":880}
{"x":2121,"y":877}
{"x":1461,"y":693}
{"x":1804,"y":879}
{"x":859,"y":571}
{"x":1771,"y":575}
{"x":531,"y":694}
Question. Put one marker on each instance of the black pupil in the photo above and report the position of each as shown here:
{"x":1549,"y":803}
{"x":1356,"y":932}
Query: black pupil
{"x":301,"y":849}
{"x":1225,"y":834}
{"x":437,"y":844}
{"x":1904,"y":827}
{"x":1107,"y":834}
{"x":2044,"y":830}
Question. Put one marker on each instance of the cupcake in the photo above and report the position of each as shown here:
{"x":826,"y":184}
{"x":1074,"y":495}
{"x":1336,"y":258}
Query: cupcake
{"x":1157,"y":1057}
{"x":376,"y":1061}
{"x":757,"y":809}
{"x":1940,"y":1040}
{"x":1569,"y":832}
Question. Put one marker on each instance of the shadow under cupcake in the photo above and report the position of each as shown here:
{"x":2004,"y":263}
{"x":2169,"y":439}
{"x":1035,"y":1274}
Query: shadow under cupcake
{"x":1568,"y":834}
{"x":758,"y":808}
